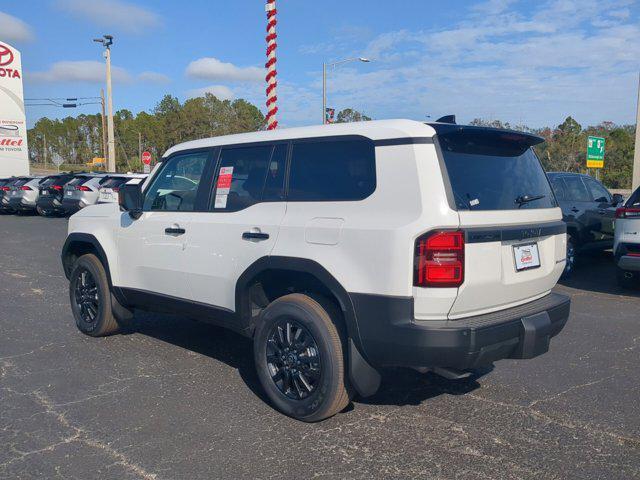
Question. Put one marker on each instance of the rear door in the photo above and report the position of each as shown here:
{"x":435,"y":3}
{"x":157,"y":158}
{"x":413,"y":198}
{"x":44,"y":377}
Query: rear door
{"x":514,"y":235}
{"x":246,"y":209}
{"x":600,"y":214}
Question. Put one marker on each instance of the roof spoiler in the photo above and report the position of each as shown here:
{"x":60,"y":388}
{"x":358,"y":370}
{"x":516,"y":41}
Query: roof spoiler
{"x":447,"y":119}
{"x":523,"y":138}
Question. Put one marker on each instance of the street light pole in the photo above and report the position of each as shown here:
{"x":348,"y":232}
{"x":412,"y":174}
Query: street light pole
{"x":104,"y":126}
{"x":324,"y":81}
{"x":635,"y":182}
{"x":107,"y":41}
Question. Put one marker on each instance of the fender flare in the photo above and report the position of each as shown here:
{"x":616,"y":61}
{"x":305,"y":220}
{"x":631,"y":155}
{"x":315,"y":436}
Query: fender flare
{"x":364,"y":378}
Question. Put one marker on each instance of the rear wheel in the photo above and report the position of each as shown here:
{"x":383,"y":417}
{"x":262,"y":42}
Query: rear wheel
{"x":299,"y":358}
{"x":43,"y":213}
{"x":628,"y":279}
{"x":570,"y":263}
{"x":91,"y":297}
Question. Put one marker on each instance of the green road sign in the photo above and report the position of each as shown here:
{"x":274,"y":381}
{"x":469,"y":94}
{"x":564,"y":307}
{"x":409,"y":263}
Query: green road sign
{"x":595,"y":152}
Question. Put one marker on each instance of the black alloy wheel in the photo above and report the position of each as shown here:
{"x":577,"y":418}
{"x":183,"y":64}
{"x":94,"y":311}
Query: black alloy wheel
{"x":86,"y":296}
{"x":293,"y":359}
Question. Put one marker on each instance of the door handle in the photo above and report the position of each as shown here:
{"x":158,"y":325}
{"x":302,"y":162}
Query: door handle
{"x":255,"y":236}
{"x":575,"y":210}
{"x":175,"y":231}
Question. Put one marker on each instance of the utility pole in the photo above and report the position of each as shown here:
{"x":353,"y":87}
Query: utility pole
{"x":324,"y":93}
{"x":44,"y":143}
{"x":104,"y":126}
{"x":635,"y":183}
{"x":139,"y":146}
{"x":107,"y":41}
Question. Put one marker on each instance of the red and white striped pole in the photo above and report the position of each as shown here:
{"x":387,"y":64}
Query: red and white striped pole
{"x":272,"y":98}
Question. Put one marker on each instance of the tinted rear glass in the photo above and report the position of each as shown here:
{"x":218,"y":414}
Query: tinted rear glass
{"x":78,"y":181}
{"x":494,"y":174}
{"x":634,"y":199}
{"x":332,"y":170}
{"x":113,"y":182}
{"x":20,"y":182}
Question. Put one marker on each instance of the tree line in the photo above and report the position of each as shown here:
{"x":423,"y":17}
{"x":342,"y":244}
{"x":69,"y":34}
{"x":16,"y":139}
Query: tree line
{"x":79,"y":139}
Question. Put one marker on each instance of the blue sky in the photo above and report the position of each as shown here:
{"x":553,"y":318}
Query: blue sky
{"x":519,"y":61}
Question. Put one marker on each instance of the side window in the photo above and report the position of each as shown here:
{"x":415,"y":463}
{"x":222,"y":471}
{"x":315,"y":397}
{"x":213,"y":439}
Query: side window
{"x":598,"y":192}
{"x":558,"y":188}
{"x":241,"y":177}
{"x":576,"y":191}
{"x":174,"y":188}
{"x":332,"y":170}
{"x":274,"y":183}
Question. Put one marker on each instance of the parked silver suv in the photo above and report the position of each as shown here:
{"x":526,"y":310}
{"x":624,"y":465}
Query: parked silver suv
{"x":24,"y":194}
{"x":82,"y":191}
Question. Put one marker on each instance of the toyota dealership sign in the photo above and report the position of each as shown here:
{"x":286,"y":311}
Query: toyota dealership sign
{"x":14,"y":156}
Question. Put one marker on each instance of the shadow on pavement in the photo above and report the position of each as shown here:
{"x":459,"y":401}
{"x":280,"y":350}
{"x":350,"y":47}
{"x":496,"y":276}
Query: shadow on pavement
{"x":596,"y":272}
{"x":401,"y":386}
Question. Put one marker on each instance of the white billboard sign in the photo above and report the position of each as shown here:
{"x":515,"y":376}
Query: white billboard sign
{"x":14,"y":156}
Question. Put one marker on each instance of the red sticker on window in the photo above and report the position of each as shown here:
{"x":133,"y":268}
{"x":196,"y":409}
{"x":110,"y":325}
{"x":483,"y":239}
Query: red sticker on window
{"x":224,"y":181}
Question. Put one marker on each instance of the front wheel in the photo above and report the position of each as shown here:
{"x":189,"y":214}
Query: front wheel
{"x":299,"y":358}
{"x":91,"y":297}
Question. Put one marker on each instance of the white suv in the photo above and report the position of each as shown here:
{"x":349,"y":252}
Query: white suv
{"x":626,"y":247}
{"x":339,"y":249}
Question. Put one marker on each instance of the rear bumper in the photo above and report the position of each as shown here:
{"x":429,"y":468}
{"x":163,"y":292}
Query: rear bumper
{"x":21,"y":204}
{"x":72,"y":205}
{"x":50,"y":203}
{"x":627,"y":257}
{"x":390,"y":335}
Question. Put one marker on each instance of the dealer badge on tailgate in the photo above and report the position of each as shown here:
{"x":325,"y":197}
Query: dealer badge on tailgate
{"x":526,"y":256}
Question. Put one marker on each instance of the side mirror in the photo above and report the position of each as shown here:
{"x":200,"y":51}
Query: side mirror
{"x":130,"y":199}
{"x":617,"y":199}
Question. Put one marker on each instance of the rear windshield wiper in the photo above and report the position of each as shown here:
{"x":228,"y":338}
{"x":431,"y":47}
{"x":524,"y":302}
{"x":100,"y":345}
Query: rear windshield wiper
{"x":522,"y":199}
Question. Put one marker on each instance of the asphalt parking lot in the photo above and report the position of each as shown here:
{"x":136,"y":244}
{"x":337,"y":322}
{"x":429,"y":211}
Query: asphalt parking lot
{"x":174,"y":399}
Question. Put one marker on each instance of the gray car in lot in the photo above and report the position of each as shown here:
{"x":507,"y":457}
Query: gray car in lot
{"x":5,"y":187}
{"x":24,"y":193}
{"x":82,"y":191}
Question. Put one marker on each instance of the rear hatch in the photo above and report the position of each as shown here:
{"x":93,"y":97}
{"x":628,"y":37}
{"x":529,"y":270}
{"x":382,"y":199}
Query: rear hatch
{"x":72,"y":189}
{"x":109,"y":189}
{"x":16,"y":189}
{"x":513,"y":230}
{"x":627,"y":229}
{"x":52,"y":186}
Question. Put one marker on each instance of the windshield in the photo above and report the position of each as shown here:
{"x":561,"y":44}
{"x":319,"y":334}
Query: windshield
{"x":490,"y":174}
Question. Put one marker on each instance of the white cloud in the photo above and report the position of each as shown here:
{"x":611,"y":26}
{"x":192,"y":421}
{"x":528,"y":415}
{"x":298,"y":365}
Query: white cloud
{"x":115,"y":14}
{"x":13,"y":29}
{"x":533,"y":66}
{"x":153,"y":77}
{"x":221,"y":91}
{"x":209,"y":68}
{"x":84,"y":71}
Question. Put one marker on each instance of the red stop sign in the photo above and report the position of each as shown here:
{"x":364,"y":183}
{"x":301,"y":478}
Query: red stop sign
{"x":146,"y":158}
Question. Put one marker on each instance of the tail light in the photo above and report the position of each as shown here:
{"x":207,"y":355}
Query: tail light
{"x":439,"y":260}
{"x":5,"y":189}
{"x":25,"y":187}
{"x":116,"y":189}
{"x":625,"y":212}
{"x":83,"y":188}
{"x":57,"y":187}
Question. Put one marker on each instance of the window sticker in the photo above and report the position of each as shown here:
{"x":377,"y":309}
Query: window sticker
{"x":224,"y":183}
{"x":221,"y":201}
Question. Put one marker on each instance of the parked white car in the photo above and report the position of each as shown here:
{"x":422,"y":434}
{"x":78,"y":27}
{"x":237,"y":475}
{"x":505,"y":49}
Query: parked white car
{"x":110,"y":186}
{"x":339,"y":249}
{"x":626,"y":247}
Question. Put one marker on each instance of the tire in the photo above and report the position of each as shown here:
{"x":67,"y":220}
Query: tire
{"x":91,"y":300}
{"x":307,"y":381}
{"x":570,"y":264}
{"x":627,"y":279}
{"x":42,"y":212}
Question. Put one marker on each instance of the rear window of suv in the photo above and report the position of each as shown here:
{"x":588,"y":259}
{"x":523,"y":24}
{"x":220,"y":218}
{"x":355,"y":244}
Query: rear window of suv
{"x":634,"y":199}
{"x":489,"y":172}
{"x":113,"y":182}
